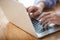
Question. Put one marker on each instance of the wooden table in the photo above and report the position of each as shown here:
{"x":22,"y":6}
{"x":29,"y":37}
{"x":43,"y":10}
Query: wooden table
{"x":12,"y":32}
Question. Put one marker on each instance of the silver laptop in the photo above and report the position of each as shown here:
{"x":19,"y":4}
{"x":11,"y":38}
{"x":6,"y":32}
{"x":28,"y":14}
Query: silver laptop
{"x":16,"y":13}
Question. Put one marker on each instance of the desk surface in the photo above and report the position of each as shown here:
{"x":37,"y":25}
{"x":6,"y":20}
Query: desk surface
{"x":12,"y":32}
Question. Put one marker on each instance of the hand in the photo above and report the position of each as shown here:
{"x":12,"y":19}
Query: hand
{"x":34,"y":11}
{"x":48,"y":18}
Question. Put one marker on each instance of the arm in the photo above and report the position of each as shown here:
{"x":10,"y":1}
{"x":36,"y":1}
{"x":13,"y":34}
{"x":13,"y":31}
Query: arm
{"x":39,"y":6}
{"x":48,"y":3}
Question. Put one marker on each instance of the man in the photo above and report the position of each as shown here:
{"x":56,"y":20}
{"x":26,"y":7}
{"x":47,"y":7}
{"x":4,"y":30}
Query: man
{"x":46,"y":18}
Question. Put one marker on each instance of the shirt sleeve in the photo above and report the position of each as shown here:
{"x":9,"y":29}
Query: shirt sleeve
{"x":59,"y":1}
{"x":49,"y":3}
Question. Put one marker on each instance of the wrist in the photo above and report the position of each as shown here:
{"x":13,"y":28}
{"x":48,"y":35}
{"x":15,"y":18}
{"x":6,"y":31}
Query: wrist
{"x":41,"y":4}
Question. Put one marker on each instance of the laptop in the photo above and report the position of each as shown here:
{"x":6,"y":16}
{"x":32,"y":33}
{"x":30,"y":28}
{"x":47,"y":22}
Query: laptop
{"x":17,"y":14}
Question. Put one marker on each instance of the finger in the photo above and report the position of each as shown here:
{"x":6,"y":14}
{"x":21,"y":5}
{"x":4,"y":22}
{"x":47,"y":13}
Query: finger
{"x":45,"y":18}
{"x":31,"y":15}
{"x":51,"y":22}
{"x":37,"y":13}
{"x":30,"y":9}
{"x":43,"y":15}
{"x":46,"y":21}
{"x":47,"y":24}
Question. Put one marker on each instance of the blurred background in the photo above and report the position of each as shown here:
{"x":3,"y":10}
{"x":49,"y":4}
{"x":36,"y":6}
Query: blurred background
{"x":27,"y":3}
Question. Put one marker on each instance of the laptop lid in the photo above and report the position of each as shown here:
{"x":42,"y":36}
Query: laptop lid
{"x":17,"y":14}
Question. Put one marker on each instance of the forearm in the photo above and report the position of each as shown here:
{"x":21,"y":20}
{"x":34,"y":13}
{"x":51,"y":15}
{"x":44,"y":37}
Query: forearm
{"x":41,"y":4}
{"x":47,"y":3}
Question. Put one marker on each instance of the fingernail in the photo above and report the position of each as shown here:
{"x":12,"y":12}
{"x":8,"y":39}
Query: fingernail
{"x":30,"y":13}
{"x":40,"y":20}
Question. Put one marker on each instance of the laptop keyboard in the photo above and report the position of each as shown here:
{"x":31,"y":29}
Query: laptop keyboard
{"x":38,"y":27}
